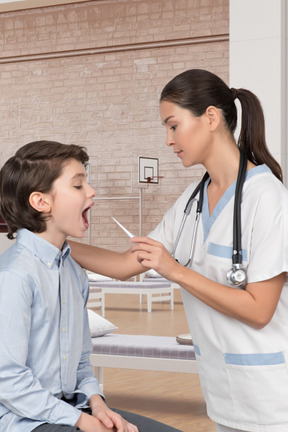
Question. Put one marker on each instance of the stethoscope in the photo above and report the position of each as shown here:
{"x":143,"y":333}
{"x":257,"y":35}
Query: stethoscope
{"x":236,"y":275}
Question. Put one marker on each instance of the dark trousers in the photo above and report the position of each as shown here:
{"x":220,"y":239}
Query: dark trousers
{"x":144,"y":424}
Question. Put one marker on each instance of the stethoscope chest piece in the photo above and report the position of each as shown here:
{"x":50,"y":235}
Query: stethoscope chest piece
{"x":236,"y":276}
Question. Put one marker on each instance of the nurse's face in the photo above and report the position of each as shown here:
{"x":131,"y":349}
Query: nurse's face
{"x":188,"y":135}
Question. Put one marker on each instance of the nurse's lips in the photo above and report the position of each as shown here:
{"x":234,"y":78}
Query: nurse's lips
{"x":178,"y":153}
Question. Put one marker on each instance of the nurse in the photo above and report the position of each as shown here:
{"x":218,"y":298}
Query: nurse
{"x":240,"y":334}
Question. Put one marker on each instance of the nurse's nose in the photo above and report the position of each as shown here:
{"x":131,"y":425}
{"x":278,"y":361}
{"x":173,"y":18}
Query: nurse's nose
{"x":169,"y":138}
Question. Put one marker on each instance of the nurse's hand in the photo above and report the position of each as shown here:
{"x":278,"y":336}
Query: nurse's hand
{"x":151,"y":254}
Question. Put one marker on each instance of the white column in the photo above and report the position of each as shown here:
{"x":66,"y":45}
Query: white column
{"x":259,"y":62}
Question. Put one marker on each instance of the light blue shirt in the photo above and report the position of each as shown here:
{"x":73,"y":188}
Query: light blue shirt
{"x":45,"y":339}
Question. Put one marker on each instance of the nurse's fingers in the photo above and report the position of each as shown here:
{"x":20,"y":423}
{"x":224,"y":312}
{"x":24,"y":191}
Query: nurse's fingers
{"x":152,"y":254}
{"x":149,"y":249}
{"x":144,"y":241}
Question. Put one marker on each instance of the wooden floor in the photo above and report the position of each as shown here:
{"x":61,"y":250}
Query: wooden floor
{"x":173,"y":398}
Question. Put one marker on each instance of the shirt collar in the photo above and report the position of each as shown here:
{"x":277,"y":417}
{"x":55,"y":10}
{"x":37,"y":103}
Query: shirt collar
{"x":45,"y":251}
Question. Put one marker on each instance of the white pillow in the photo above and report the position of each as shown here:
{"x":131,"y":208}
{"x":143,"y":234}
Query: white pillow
{"x":99,"y":326}
{"x":96,"y":277}
{"x":152,"y":274}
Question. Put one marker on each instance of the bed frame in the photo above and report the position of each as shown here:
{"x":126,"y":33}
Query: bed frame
{"x":155,"y":291}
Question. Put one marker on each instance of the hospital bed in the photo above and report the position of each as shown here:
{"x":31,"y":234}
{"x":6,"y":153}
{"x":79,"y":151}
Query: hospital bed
{"x":155,"y":353}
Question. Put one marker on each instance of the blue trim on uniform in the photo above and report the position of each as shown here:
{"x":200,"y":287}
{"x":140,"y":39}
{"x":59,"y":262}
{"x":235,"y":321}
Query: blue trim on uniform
{"x":223,"y":251}
{"x":264,"y":359}
{"x":197,"y":350}
{"x":207,"y":220}
{"x":259,"y":169}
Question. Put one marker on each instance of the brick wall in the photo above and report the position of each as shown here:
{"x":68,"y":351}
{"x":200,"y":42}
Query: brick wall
{"x":91,"y":74}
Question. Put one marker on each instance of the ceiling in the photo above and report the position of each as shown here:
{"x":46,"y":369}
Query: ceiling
{"x":11,"y":5}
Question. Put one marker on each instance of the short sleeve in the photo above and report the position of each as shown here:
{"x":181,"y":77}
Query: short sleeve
{"x":269,"y":236}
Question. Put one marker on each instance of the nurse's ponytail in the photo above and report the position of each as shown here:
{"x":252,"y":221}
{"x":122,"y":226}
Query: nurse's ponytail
{"x":252,"y":135}
{"x":196,"y":89}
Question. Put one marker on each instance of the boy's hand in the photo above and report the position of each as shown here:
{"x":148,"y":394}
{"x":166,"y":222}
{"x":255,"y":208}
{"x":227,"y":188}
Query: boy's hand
{"x":88,"y":423}
{"x":109,"y":418}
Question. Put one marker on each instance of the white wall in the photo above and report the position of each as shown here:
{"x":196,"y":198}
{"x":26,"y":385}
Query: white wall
{"x":258,"y":61}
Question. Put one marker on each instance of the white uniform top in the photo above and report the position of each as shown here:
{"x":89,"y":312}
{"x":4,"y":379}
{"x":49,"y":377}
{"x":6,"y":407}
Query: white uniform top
{"x":243,"y":371}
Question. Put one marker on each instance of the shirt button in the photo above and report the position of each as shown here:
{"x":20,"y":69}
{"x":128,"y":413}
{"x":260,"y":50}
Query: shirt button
{"x":63,"y":329}
{"x":64,"y":357}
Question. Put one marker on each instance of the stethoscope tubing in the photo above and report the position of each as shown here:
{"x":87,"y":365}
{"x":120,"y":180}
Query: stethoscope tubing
{"x":199,"y":189}
{"x":237,"y":232}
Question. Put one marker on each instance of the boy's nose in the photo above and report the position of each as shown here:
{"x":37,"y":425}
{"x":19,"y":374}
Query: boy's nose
{"x":91,"y":191}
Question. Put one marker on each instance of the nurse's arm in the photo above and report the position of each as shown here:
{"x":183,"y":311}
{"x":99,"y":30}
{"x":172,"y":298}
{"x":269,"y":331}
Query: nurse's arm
{"x":255,"y":305}
{"x":105,"y":262}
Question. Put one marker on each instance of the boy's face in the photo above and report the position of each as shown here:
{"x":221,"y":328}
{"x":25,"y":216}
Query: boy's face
{"x":70,"y":199}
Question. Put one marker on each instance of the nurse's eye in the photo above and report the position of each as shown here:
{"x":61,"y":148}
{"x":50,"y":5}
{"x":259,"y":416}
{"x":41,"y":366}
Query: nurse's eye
{"x":173,"y":128}
{"x":78,"y":187}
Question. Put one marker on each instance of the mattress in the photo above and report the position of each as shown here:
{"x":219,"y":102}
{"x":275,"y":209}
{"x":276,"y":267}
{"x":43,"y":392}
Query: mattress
{"x":130,"y":284}
{"x":142,"y":346}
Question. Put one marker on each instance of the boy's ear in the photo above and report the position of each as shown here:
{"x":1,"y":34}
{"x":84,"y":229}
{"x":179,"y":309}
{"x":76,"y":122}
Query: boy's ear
{"x":40,"y":202}
{"x":214,"y":117}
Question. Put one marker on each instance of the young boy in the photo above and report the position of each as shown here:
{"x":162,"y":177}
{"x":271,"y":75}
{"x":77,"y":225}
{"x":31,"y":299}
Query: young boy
{"x":46,"y":379}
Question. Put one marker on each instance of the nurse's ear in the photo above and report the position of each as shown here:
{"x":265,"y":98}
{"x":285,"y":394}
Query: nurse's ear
{"x":213,"y":116}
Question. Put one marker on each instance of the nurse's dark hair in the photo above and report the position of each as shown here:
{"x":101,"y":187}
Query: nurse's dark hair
{"x":197,"y":89}
{"x":34,"y":167}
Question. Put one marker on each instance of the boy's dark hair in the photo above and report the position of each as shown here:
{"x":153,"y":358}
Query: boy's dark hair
{"x":34,"y":167}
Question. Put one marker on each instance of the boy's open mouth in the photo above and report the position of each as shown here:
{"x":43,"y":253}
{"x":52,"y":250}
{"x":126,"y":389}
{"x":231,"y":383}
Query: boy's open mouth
{"x":85,"y":216}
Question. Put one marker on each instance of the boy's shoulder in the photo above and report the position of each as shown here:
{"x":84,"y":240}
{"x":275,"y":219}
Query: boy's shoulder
{"x":27,"y":254}
{"x":16,"y":259}
{"x":10,"y":254}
